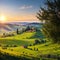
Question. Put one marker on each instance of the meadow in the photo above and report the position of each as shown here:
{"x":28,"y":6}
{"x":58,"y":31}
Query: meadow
{"x":24,"y":47}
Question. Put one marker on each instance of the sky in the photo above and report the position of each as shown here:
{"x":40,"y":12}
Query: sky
{"x":20,"y":10}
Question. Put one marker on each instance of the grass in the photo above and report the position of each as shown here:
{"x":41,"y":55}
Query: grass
{"x":44,"y":49}
{"x":22,"y":39}
{"x":47,"y":48}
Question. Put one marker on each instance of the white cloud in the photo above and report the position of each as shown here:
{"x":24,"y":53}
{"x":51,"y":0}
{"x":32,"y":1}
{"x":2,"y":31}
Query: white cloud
{"x":25,"y":7}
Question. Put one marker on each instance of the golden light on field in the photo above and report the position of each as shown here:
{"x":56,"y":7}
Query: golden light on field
{"x":2,"y":19}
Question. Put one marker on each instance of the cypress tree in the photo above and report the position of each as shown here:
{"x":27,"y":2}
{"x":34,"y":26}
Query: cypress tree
{"x":17,"y":31}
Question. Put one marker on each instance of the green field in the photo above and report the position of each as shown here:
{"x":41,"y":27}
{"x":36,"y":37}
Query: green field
{"x":14,"y":46}
{"x":23,"y":39}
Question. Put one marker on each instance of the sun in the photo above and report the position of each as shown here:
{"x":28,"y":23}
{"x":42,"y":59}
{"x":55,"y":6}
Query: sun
{"x":2,"y":18}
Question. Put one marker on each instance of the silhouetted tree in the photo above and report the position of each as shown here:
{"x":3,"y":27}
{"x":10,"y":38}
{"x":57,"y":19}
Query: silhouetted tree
{"x":51,"y":15}
{"x":34,"y":48}
{"x":37,"y":49}
{"x":17,"y":31}
{"x":3,"y":34}
{"x":30,"y":45}
{"x":28,"y":28}
{"x":36,"y":41}
{"x":25,"y":46}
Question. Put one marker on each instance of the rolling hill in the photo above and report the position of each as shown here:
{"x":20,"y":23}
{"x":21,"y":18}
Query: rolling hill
{"x":13,"y":47}
{"x":7,"y":27}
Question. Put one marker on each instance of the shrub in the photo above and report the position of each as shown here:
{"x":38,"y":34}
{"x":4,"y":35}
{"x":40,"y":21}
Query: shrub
{"x":30,"y":45}
{"x":37,"y":42}
{"x":15,"y":46}
{"x":46,"y":45}
{"x":42,"y":41}
{"x":37,"y":49}
{"x":34,"y":48}
{"x":0,"y":45}
{"x":25,"y":46}
{"x":7,"y":45}
{"x":4,"y":47}
{"x":11,"y":49}
{"x":23,"y":52}
{"x":49,"y":56}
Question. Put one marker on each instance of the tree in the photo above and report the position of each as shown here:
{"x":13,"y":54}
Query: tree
{"x":28,"y":28}
{"x":51,"y":15}
{"x":36,"y":41}
{"x":17,"y":31}
{"x":3,"y":34}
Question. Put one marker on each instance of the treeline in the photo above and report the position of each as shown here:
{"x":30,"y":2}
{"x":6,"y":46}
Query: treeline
{"x":28,"y":28}
{"x":18,"y":31}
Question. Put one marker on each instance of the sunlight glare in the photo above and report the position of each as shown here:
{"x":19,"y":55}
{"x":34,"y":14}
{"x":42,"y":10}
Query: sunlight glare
{"x":2,"y":18}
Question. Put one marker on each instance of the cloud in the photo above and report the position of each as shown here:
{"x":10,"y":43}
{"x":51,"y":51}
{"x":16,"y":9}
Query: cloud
{"x":25,"y":7}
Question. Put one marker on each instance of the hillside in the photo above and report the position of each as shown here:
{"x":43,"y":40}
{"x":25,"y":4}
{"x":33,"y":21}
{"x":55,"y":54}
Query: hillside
{"x":8,"y":27}
{"x":15,"y":46}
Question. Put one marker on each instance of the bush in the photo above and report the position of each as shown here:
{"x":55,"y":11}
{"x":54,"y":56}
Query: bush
{"x":4,"y":47}
{"x":23,"y":52}
{"x":11,"y":49}
{"x":7,"y":46}
{"x":37,"y":42}
{"x":30,"y":45}
{"x":0,"y":45}
{"x":34,"y":48}
{"x":15,"y":46}
{"x":46,"y":45}
{"x":25,"y":46}
{"x":49,"y":56}
{"x":37,"y":49}
{"x":43,"y":41}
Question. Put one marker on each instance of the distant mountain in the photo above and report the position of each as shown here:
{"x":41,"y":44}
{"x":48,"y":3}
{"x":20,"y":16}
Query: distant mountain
{"x":12,"y":26}
{"x":37,"y":25}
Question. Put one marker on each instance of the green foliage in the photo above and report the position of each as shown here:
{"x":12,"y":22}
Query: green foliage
{"x":28,"y":28}
{"x":37,"y":42}
{"x":51,"y":16}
